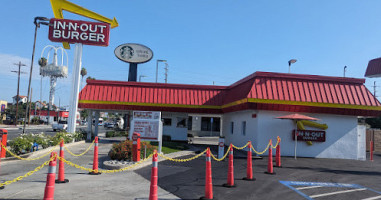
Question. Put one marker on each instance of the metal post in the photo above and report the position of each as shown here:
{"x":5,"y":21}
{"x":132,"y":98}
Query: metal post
{"x":75,"y":88}
{"x":296,"y":138}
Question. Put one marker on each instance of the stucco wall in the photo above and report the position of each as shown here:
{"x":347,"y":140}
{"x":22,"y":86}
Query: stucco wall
{"x":176,"y":133}
{"x":342,"y":135}
{"x":237,"y":138}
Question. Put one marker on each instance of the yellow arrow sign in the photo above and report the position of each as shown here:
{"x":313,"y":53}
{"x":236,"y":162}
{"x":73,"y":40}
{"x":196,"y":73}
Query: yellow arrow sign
{"x":59,"y":5}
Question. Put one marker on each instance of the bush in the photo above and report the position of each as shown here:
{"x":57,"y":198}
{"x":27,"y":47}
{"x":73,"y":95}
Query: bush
{"x":116,"y":134}
{"x":123,"y":150}
{"x":23,"y":143}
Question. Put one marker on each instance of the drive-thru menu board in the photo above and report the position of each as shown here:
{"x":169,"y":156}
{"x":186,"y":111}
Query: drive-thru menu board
{"x":148,"y":124}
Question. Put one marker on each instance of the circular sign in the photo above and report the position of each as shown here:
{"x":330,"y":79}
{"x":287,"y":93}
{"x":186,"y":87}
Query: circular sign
{"x":221,"y":144}
{"x":133,"y":53}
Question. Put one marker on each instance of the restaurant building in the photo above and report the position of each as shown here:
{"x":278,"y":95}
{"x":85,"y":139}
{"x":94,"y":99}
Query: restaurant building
{"x":247,"y":109}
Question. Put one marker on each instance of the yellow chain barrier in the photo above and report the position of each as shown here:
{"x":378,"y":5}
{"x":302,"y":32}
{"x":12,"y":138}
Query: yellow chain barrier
{"x":262,"y":152}
{"x":81,"y":153}
{"x":182,"y":160}
{"x":223,"y":157}
{"x":102,"y":171}
{"x":27,"y":159}
{"x":28,"y":174}
{"x":277,"y":143}
{"x":240,"y":148}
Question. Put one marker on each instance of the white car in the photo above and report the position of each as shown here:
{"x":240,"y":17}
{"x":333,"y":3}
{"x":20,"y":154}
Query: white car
{"x":61,"y":125}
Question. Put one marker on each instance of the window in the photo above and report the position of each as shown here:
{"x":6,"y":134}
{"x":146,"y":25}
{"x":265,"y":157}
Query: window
{"x":190,"y":123}
{"x":181,"y":122}
{"x":231,"y":127}
{"x":210,"y":123}
{"x":244,"y":128}
{"x":167,"y":122}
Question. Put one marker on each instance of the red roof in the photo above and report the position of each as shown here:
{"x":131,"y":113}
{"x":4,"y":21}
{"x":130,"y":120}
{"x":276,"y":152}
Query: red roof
{"x":261,"y":90}
{"x":374,"y":68}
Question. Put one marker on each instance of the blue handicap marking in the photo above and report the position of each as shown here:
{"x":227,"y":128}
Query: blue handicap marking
{"x":294,"y":184}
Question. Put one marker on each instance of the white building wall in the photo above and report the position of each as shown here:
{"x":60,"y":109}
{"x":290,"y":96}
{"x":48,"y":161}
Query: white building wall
{"x":176,"y":133}
{"x":342,"y":135}
{"x":237,"y":138}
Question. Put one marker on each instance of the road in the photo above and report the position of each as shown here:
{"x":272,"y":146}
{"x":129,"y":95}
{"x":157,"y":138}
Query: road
{"x":14,"y":132}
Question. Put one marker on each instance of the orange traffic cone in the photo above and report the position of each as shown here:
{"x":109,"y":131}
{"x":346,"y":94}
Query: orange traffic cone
{"x":249,"y":168}
{"x":208,"y":177}
{"x":154,"y":177}
{"x":371,"y":150}
{"x":95,"y":161}
{"x":2,"y":187}
{"x":230,"y":182}
{"x":277,"y":157}
{"x":61,"y":167}
{"x":270,"y":169}
{"x":50,"y":179}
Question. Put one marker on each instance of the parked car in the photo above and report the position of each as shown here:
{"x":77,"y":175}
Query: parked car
{"x":61,"y":125}
{"x":110,"y":125}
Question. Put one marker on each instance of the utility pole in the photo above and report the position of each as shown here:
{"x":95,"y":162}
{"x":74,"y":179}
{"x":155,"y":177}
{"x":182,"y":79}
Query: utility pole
{"x":18,"y":86}
{"x":166,"y":72}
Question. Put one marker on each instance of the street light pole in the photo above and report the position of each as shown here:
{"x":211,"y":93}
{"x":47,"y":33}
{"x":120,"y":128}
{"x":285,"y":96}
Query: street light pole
{"x":292,"y":61}
{"x":37,"y":22}
{"x":157,"y":67}
{"x":345,"y":69}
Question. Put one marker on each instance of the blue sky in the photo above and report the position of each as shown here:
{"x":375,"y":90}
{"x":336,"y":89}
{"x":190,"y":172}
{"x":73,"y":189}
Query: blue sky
{"x":203,"y":40}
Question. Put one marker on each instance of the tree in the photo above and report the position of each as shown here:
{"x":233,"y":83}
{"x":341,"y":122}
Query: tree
{"x":90,"y":78}
{"x":83,"y":73}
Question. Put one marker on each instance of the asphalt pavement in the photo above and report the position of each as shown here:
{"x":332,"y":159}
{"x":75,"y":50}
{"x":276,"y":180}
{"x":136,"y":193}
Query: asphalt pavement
{"x":122,"y":185}
{"x":304,"y":178}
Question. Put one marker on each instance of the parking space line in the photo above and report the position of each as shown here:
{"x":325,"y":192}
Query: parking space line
{"x":338,"y":192}
{"x":309,"y":187}
{"x":373,"y":198}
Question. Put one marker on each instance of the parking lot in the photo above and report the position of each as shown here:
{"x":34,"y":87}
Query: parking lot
{"x":304,"y":178}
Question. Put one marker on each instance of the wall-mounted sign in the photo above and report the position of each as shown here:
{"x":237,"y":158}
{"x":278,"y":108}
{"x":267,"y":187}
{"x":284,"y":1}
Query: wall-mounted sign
{"x":148,"y":124}
{"x":309,"y":135}
{"x":133,"y":53}
{"x":2,"y":107}
{"x":75,"y":31}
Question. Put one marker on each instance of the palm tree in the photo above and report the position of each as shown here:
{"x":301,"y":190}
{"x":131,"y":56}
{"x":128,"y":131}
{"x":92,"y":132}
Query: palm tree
{"x":83,"y":73}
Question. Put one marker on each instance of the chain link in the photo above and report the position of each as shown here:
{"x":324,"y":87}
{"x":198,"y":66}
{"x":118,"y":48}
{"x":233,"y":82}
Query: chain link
{"x":221,"y":159}
{"x":277,"y":143}
{"x":81,"y":153}
{"x":28,"y":159}
{"x":28,"y":173}
{"x":182,"y":160}
{"x":262,"y":152}
{"x":102,"y":171}
{"x":240,"y":148}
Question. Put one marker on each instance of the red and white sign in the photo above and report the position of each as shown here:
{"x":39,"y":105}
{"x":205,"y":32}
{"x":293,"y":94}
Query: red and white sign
{"x":309,"y":135}
{"x":75,"y":31}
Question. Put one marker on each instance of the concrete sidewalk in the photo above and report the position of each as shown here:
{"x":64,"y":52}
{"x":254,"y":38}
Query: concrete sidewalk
{"x":122,"y":185}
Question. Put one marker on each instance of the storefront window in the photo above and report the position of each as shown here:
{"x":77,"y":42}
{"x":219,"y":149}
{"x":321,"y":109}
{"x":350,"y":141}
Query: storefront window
{"x":181,"y":122}
{"x":207,"y":124}
{"x":167,"y":122}
{"x":244,"y":128}
{"x":190,"y":123}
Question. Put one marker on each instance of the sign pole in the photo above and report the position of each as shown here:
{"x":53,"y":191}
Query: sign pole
{"x":73,"y":103}
{"x":133,"y":72}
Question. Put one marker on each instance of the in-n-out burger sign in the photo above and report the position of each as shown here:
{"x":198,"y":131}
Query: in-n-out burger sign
{"x":309,"y":135}
{"x":75,"y":31}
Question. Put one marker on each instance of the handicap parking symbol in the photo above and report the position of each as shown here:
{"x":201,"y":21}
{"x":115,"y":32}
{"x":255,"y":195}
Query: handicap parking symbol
{"x":316,"y":190}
